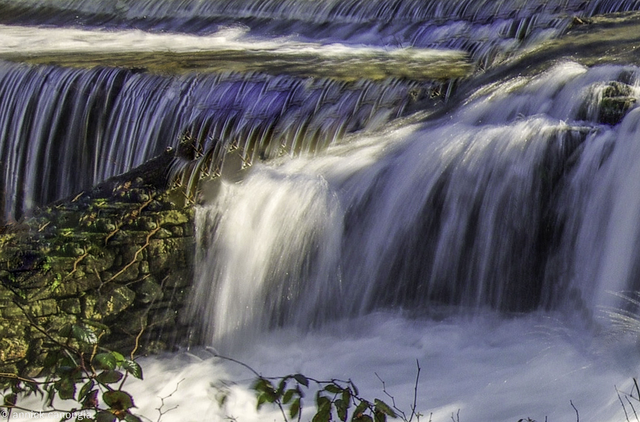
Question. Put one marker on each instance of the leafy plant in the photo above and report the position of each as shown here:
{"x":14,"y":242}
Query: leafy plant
{"x":80,"y":371}
{"x":333,"y":399}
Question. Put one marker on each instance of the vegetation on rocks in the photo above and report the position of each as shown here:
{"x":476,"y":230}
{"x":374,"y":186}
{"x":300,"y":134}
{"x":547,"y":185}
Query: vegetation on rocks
{"x":118,"y":255}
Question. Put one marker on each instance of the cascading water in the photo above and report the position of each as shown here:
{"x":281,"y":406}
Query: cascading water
{"x":491,"y":237}
{"x":63,"y":130}
{"x":469,"y":210}
{"x":489,"y":30}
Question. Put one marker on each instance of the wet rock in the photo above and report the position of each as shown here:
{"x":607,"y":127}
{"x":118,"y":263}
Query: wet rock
{"x":167,"y":253}
{"x":100,"y":259}
{"x":616,"y":102}
{"x":129,"y":272}
{"x":71,"y":306}
{"x":174,"y":217}
{"x":44,"y":307}
{"x":132,"y":322}
{"x":116,"y":301}
{"x":13,"y":349}
{"x":148,"y":291}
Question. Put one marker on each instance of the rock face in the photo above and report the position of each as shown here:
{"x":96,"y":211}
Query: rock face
{"x":118,"y":256}
{"x":617,"y":100}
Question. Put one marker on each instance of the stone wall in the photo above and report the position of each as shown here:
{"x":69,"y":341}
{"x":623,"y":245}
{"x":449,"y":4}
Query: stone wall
{"x":118,"y":256}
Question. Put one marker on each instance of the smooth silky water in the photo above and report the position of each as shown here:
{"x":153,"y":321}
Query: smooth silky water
{"x":493,"y":243}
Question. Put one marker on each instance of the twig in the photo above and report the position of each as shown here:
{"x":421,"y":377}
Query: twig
{"x":239,"y":363}
{"x":111,"y":234}
{"x":393,"y":399}
{"x":632,"y":408}
{"x":574,"y":408}
{"x":19,"y":378}
{"x":77,"y":261}
{"x":135,"y":256}
{"x":457,"y":418}
{"x":414,"y":405}
{"x":139,"y":335}
{"x":162,"y":399}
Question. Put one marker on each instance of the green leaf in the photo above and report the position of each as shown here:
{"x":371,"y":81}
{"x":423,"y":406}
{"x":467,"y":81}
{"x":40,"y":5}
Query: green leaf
{"x":323,"y":403}
{"x":346,"y":397}
{"x":51,"y":360}
{"x":384,"y":408}
{"x":263,"y":385}
{"x":323,"y":415}
{"x":362,"y":418}
{"x":109,"y":377}
{"x":294,"y":410}
{"x":262,"y":399}
{"x":118,"y":357}
{"x":379,"y":416}
{"x":66,"y":388}
{"x":118,"y":400}
{"x":333,"y":388}
{"x":11,"y":399}
{"x":301,"y":379}
{"x":66,"y":331}
{"x":288,"y":395}
{"x":132,"y":418}
{"x":281,"y":386}
{"x":266,"y":390}
{"x":341,"y":409}
{"x":132,"y":367}
{"x":83,"y":335}
{"x":361,"y":408}
{"x":91,"y":400}
{"x":66,"y":365}
{"x":105,"y":361}
{"x":96,"y":324}
{"x":85,"y":389}
{"x":104,"y":416}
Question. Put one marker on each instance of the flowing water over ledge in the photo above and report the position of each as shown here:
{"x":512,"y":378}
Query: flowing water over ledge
{"x":487,"y":231}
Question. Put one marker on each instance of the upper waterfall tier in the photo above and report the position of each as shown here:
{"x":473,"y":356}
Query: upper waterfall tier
{"x":488,"y":30}
{"x":62,"y":130}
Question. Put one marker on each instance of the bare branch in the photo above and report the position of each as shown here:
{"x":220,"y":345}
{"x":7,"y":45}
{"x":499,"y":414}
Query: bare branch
{"x":574,"y":408}
{"x":162,"y":399}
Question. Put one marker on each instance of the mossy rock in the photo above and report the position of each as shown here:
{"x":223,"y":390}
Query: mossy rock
{"x":616,"y":102}
{"x":98,"y":260}
{"x":148,"y":291}
{"x":115,"y":300}
{"x":13,"y":349}
{"x":165,"y":254}
{"x":44,"y":307}
{"x":174,"y":217}
{"x":76,"y":284}
{"x":71,"y":306}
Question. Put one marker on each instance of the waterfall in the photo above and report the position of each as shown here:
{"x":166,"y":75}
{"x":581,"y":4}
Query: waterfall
{"x":490,"y":31}
{"x":63,"y":130}
{"x":515,"y":202}
{"x":454,"y":182}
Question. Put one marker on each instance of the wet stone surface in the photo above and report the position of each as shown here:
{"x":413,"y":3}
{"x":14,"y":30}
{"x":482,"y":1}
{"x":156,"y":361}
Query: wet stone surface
{"x":104,"y":256}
